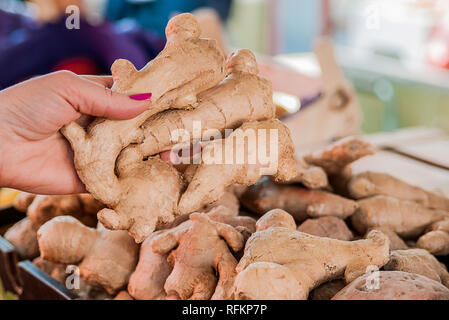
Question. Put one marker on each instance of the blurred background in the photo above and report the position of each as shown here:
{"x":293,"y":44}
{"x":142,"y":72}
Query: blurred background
{"x":395,"y":52}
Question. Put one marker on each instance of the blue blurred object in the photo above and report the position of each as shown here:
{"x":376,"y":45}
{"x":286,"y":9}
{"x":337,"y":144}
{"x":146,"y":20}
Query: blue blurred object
{"x":154,"y":14}
{"x":9,"y":25}
{"x":27,"y":50}
{"x":300,"y":22}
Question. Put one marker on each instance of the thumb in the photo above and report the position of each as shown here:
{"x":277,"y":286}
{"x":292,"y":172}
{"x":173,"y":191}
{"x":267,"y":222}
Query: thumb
{"x":92,"y":98}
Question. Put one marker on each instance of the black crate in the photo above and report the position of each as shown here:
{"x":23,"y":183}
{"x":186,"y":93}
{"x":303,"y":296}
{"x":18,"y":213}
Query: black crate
{"x":23,"y":278}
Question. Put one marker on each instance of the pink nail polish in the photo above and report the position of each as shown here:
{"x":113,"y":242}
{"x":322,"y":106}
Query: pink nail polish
{"x":141,"y":96}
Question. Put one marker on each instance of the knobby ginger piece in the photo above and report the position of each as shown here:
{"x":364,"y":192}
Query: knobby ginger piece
{"x":228,"y":200}
{"x":338,"y":155}
{"x":23,"y":236}
{"x":301,"y":203}
{"x":316,"y":261}
{"x":152,"y":190}
{"x":329,"y":227}
{"x":242,"y":96}
{"x":436,"y":242}
{"x":106,"y":258}
{"x":245,"y":165}
{"x":251,"y":283}
{"x":367,"y":184}
{"x":23,"y":200}
{"x":312,"y":177}
{"x":148,"y":280}
{"x":276,"y":218}
{"x":225,"y":215}
{"x":418,"y":261}
{"x":408,"y":219}
{"x":96,"y":151}
{"x":228,"y":205}
{"x":396,"y":242}
{"x":45,"y":207}
{"x":200,"y":252}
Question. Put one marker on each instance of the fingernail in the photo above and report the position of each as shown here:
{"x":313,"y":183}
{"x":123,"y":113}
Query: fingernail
{"x":141,"y":96}
{"x":174,"y":158}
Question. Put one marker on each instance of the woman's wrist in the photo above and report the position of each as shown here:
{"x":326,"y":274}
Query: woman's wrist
{"x":5,"y":143}
{"x":4,"y":154}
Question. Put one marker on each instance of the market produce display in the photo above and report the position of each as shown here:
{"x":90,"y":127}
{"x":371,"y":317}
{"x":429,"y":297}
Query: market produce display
{"x":42,"y":208}
{"x":96,"y":151}
{"x":298,"y":201}
{"x":310,"y":260}
{"x":408,"y":219}
{"x":106,"y":258}
{"x":301,"y":226}
{"x":211,"y":180}
{"x":395,"y":285}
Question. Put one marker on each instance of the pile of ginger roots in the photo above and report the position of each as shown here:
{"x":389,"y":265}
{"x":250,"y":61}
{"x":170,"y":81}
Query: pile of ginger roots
{"x":304,"y":228}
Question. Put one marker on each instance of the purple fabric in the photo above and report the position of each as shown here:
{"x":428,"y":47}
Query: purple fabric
{"x":36,"y":50}
{"x":9,"y":23}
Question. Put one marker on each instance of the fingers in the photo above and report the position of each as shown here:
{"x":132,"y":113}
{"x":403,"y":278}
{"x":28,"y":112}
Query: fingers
{"x":105,"y":81}
{"x":167,"y":156}
{"x":89,"y":95}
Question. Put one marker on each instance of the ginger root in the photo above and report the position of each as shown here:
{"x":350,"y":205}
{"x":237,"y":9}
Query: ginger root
{"x":338,"y":155}
{"x":242,"y":96}
{"x":418,"y":261}
{"x":396,"y":242}
{"x":282,"y":284}
{"x":229,"y":200}
{"x":23,"y":236}
{"x":42,"y":208}
{"x":23,"y":200}
{"x":225,"y":215}
{"x":276,"y":218}
{"x":436,"y":238}
{"x":329,"y":227}
{"x":299,"y":202}
{"x":436,"y":242}
{"x":310,"y":176}
{"x":106,"y":258}
{"x":45,"y":207}
{"x":96,"y":151}
{"x":311,"y":260}
{"x":148,"y":280}
{"x":408,"y":219}
{"x":393,"y":285}
{"x":151,"y":197}
{"x":369,"y":183}
{"x":198,"y":250}
{"x":215,"y":174}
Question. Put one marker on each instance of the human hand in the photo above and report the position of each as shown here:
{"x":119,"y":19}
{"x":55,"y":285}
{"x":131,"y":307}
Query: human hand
{"x":34,"y":156}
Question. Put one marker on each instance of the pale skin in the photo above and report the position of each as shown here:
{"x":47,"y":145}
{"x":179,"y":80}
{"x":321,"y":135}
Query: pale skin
{"x":34,"y":156}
